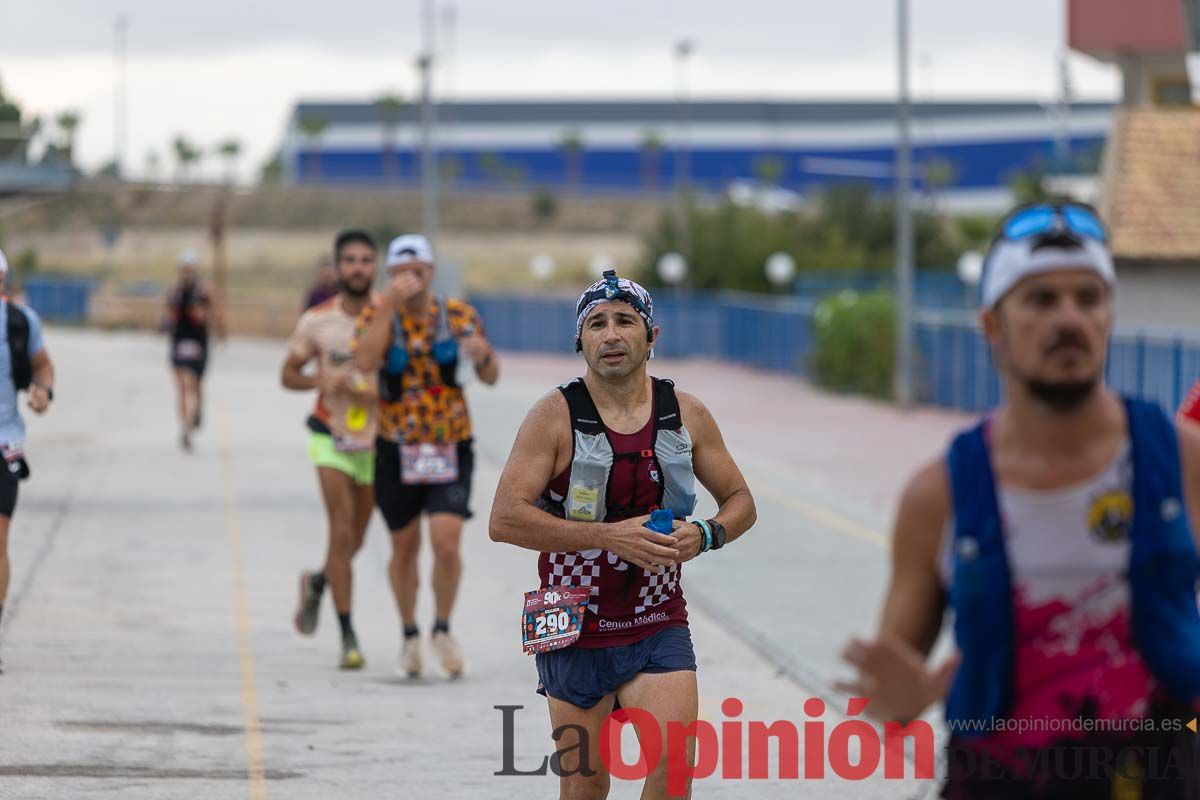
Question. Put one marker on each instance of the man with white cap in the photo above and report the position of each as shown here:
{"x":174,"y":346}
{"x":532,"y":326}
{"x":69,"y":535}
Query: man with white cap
{"x":424,"y":456}
{"x":24,"y":365}
{"x":190,"y":313}
{"x":594,"y":462}
{"x":1056,"y":532}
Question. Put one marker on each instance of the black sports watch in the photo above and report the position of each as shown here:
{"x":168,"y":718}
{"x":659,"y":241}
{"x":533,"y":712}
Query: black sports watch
{"x":718,"y":534}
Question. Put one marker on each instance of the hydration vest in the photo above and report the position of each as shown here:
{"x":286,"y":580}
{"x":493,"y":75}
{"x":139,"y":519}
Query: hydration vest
{"x":444,"y":350}
{"x":1163,"y":572}
{"x":593,"y":457}
{"x":17,"y":331}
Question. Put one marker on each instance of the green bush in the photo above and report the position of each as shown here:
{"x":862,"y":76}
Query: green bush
{"x":544,"y":204}
{"x":855,"y":343}
{"x":848,"y":227}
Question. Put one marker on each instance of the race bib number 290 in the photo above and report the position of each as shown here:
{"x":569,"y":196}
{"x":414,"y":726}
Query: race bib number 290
{"x":553,"y":618}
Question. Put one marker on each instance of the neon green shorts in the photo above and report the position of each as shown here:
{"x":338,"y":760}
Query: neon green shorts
{"x":360,"y":466}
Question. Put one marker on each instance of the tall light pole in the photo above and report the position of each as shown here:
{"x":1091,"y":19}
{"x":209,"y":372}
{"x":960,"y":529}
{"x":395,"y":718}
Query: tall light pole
{"x":120,"y":100}
{"x":683,"y":155}
{"x":1062,"y":141}
{"x":429,"y":177}
{"x":905,"y":388}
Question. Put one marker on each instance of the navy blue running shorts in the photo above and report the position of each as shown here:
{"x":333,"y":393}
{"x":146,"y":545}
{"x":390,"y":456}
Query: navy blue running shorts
{"x":583,"y":676}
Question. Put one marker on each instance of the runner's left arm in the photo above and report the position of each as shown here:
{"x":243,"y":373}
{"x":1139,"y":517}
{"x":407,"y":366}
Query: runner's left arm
{"x":43,"y":368}
{"x":43,"y":381}
{"x":474,"y":342}
{"x":718,"y":473}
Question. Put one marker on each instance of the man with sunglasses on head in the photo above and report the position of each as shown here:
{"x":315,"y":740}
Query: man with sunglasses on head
{"x":1056,"y":531}
{"x":341,"y":439}
{"x":424,"y":457}
{"x":593,"y":464}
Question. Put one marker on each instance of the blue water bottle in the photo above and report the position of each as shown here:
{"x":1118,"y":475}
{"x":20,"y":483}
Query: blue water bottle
{"x":661,"y":520}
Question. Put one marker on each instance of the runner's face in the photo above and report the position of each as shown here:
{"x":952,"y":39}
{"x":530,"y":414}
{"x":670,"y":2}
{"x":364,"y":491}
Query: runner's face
{"x":187,"y":274}
{"x":1051,"y":331}
{"x":356,"y":268}
{"x":614,"y":340}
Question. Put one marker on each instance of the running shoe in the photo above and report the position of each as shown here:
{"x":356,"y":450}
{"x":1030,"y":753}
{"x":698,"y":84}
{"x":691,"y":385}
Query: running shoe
{"x":410,"y":657}
{"x":309,"y":610}
{"x":352,"y":657}
{"x":449,"y":653}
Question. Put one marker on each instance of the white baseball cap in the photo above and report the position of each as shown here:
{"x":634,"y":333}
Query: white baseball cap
{"x":3,"y":264}
{"x":189,"y":258}
{"x":409,"y":248}
{"x":1011,"y":262}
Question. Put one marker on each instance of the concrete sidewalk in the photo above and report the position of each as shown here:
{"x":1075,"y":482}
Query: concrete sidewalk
{"x":148,"y":632}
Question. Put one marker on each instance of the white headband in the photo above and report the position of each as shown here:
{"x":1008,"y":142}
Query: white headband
{"x":1012,"y":261}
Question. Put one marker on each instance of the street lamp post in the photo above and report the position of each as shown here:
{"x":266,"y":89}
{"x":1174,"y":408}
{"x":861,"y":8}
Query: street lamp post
{"x":904,"y":226}
{"x":120,"y":100}
{"x":429,"y":177}
{"x":683,"y":155}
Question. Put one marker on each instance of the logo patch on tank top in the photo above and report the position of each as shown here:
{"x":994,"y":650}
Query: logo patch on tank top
{"x":1110,"y":517}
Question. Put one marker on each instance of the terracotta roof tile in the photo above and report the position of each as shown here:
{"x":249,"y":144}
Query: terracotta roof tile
{"x":1153,"y":188}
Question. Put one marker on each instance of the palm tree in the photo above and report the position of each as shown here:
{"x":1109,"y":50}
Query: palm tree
{"x":271,"y":172}
{"x":68,"y":123}
{"x":152,"y":164}
{"x":450,"y":169}
{"x":491,"y":166}
{"x":769,"y":169}
{"x":389,"y":107}
{"x":312,"y":128}
{"x":230,"y":150}
{"x":186,"y":154}
{"x":572,"y":150}
{"x":940,"y":174}
{"x":651,"y":150}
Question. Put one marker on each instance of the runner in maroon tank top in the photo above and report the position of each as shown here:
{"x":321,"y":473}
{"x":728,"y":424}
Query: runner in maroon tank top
{"x":607,"y":621}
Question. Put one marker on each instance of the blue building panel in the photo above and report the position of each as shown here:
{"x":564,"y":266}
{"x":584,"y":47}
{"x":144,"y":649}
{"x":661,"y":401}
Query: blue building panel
{"x":975,"y":165}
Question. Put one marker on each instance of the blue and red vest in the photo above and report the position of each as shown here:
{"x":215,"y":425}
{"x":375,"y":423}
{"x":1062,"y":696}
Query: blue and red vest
{"x":1163,"y":572}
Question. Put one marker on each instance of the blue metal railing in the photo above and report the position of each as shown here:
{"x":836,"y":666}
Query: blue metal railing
{"x":953,"y":360}
{"x":59,"y":299}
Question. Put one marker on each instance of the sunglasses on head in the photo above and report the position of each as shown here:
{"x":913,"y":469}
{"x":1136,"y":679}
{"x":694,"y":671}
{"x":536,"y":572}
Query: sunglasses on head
{"x":1051,"y":219}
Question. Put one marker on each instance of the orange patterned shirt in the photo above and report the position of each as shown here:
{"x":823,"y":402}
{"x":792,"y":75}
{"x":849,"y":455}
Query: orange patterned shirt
{"x":429,"y":410}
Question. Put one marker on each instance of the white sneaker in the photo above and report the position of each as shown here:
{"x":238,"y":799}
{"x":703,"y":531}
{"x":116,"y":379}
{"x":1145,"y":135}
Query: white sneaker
{"x":410,"y":657}
{"x":449,"y":653}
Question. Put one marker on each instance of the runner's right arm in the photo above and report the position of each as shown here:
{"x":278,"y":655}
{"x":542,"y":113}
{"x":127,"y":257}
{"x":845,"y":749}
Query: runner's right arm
{"x":531,"y":465}
{"x":893,"y":669}
{"x":375,"y":341}
{"x":301,"y":350}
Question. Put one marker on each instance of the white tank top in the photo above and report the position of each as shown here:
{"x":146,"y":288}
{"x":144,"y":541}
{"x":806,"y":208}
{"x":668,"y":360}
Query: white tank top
{"x":1068,"y":550}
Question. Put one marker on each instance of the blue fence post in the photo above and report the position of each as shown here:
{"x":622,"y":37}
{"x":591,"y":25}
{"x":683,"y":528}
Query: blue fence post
{"x":1141,"y":366}
{"x":1177,"y":373}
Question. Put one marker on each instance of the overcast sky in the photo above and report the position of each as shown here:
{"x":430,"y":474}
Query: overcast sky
{"x":217,"y":68}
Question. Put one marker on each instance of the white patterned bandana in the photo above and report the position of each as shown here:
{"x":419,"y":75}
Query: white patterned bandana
{"x":610,"y":288}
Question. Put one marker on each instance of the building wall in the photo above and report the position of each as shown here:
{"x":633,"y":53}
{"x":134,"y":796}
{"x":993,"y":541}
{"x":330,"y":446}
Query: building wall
{"x":982,"y":151}
{"x":1110,"y":28}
